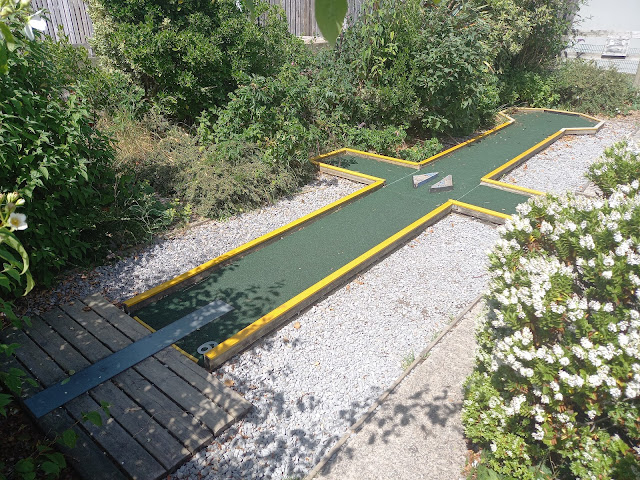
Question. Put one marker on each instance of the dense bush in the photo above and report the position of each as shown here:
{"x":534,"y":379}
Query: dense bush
{"x":190,"y":55}
{"x":527,"y":35}
{"x":426,"y":67}
{"x":582,"y":86}
{"x":556,"y":390}
{"x":620,"y":166}
{"x":534,"y":89}
{"x":54,"y":158}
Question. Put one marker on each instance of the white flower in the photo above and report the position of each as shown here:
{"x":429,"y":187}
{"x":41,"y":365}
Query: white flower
{"x":17,"y":221}
{"x":587,"y":242}
{"x":35,"y":21}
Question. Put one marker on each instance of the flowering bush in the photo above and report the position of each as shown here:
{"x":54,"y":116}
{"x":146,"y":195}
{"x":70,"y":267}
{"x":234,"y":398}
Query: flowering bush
{"x":620,"y":165}
{"x":556,"y":390}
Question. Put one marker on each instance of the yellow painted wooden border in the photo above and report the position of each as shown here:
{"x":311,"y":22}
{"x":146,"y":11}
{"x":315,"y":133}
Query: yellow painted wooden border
{"x":374,"y":183}
{"x":326,"y":281}
{"x":490,"y":178}
{"x":475,"y":208}
{"x":378,"y":182}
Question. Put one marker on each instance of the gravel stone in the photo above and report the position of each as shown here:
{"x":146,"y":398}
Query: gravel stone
{"x":562,"y":166}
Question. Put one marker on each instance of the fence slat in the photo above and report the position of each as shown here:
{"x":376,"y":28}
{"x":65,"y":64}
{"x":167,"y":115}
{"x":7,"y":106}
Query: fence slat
{"x":74,"y":18}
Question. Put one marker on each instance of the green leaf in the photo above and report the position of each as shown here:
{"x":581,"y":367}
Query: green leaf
{"x":4,"y":56}
{"x":10,"y":41}
{"x":56,"y":458}
{"x":252,"y":8}
{"x":330,"y":15}
{"x":50,"y":468}
{"x":30,"y":283}
{"x":25,"y":466}
{"x":5,"y":399}
{"x":68,"y":438}
{"x":12,"y":241}
{"x":92,"y":417}
{"x":105,"y":407}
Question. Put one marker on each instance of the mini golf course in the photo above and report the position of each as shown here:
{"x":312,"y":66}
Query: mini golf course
{"x":272,"y":278}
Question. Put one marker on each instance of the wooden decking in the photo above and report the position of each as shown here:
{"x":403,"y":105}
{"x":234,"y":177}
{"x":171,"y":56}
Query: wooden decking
{"x":162,"y":410}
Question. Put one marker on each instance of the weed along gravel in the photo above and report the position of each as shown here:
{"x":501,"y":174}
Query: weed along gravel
{"x":313,"y":378}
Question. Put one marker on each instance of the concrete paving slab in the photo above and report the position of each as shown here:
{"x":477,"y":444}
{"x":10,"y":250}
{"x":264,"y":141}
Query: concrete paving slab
{"x":416,"y":432}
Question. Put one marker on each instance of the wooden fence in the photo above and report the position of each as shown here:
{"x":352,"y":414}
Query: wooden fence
{"x":73,"y":17}
{"x":302,"y":18}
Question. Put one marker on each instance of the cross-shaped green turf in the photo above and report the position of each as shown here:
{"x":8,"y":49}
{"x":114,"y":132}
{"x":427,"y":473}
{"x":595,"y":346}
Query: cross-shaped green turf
{"x":259,"y":282}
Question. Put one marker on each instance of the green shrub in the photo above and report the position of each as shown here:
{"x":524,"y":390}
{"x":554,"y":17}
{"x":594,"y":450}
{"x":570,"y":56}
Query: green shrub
{"x":583,"y":87}
{"x":620,"y":166}
{"x":54,"y":158}
{"x":421,"y":150}
{"x":273,"y":115}
{"x":221,"y":185}
{"x":420,"y":66}
{"x":556,"y":390}
{"x":527,"y":35}
{"x":190,"y":55}
{"x":58,"y":161}
{"x":385,"y":141}
{"x":534,"y":89}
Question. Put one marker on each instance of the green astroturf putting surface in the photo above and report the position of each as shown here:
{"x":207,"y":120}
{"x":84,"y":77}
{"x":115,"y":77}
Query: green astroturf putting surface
{"x":266,"y":278}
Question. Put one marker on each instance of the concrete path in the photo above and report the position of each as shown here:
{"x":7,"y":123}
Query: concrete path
{"x":416,"y":432}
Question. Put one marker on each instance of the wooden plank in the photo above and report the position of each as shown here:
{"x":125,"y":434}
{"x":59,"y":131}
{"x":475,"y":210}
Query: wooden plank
{"x":151,"y":436}
{"x":186,"y":396}
{"x":92,"y":375}
{"x":100,"y":466}
{"x":180,"y":391}
{"x":232,"y":402}
{"x":116,"y":317}
{"x":142,"y":427}
{"x":97,"y":326}
{"x":135,"y":460}
{"x":79,"y":20}
{"x":130,"y":455}
{"x":32,"y":357}
{"x":67,"y":21}
{"x":197,"y":376}
{"x":76,"y":335}
{"x":191,"y":433}
{"x":186,"y":428}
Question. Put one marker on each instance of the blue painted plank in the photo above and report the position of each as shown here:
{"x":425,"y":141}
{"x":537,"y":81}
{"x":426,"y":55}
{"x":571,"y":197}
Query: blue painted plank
{"x":57,"y":395}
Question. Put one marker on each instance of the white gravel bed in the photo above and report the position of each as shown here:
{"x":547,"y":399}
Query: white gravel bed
{"x":309,"y":384}
{"x":562,"y":166}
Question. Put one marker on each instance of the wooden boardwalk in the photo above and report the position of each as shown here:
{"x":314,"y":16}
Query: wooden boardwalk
{"x":162,"y":410}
